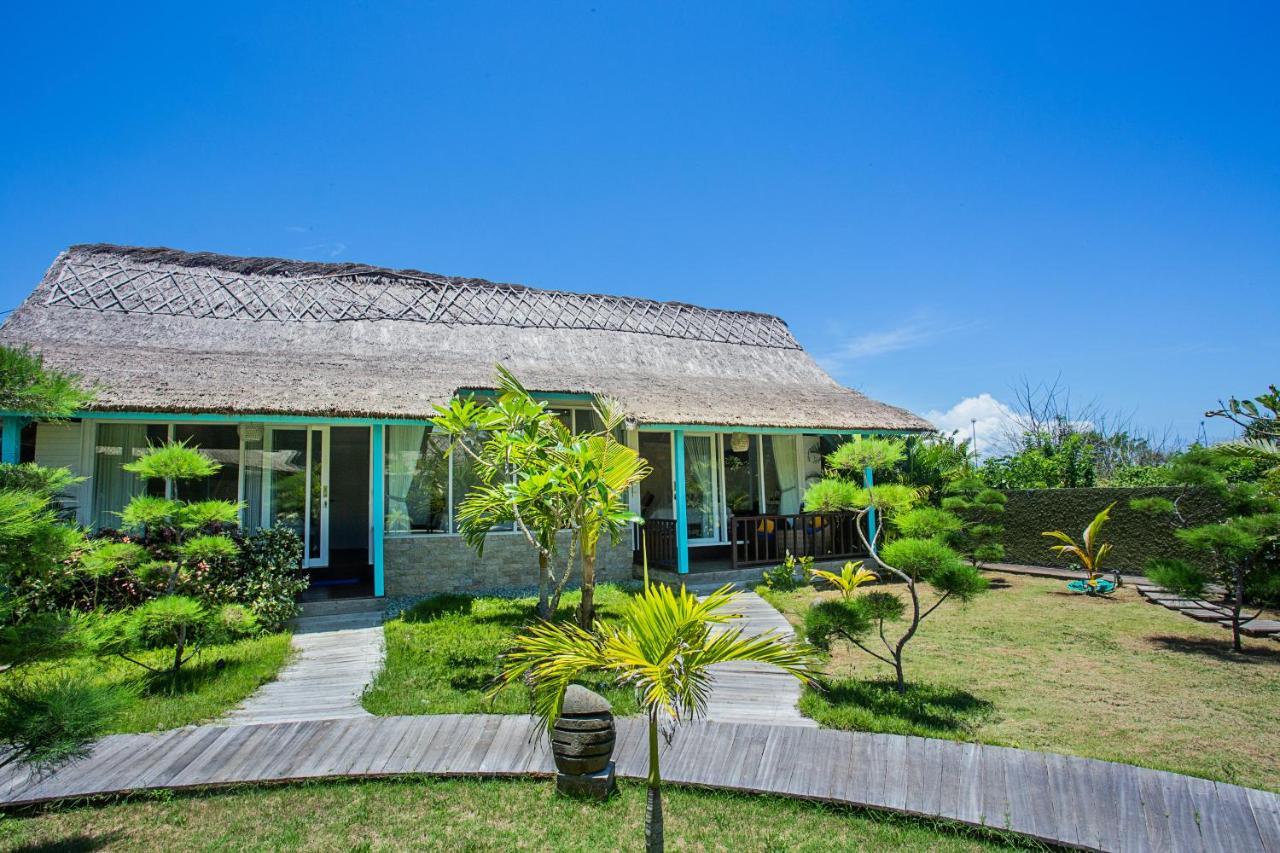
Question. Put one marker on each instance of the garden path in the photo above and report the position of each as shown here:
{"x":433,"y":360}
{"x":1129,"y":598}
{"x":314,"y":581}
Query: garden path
{"x":753,"y":692}
{"x":1058,"y":799}
{"x":335,"y":658}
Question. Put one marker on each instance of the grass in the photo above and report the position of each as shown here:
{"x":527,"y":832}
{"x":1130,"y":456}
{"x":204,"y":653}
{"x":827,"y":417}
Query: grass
{"x":1031,"y":665}
{"x":474,"y":815}
{"x":443,"y":655}
{"x":211,"y":684}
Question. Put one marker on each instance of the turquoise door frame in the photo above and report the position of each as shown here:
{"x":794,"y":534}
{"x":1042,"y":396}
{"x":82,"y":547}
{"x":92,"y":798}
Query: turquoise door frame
{"x":377,"y":512}
{"x":682,"y":509}
{"x":868,"y":476}
{"x":11,"y":440}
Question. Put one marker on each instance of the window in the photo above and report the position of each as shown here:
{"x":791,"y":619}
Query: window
{"x":113,"y":487}
{"x":221,"y":443}
{"x":741,"y":473}
{"x":425,"y":484}
{"x":417,"y":481}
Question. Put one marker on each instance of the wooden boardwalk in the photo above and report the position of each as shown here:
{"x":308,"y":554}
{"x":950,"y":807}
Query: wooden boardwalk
{"x":1058,"y":799}
{"x":335,"y":658}
{"x":752,"y":692}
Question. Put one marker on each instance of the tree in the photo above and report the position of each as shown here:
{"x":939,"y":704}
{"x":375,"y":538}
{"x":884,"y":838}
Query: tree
{"x":42,"y":721}
{"x":980,"y":509}
{"x":663,"y":646}
{"x":543,"y":478}
{"x":1238,"y":554}
{"x":909,"y":559}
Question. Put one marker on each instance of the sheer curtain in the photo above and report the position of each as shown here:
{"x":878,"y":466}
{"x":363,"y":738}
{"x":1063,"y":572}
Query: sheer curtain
{"x":113,"y":487}
{"x":404,"y":448}
{"x":782,"y":448}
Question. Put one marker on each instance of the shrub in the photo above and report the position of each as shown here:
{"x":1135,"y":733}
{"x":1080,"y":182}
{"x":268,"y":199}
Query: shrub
{"x":920,"y":558}
{"x":1178,"y":576}
{"x":235,"y":622}
{"x":267,"y":577}
{"x":926,"y":522}
{"x":832,"y":495}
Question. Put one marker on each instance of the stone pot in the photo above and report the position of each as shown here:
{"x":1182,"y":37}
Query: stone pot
{"x":582,"y":739}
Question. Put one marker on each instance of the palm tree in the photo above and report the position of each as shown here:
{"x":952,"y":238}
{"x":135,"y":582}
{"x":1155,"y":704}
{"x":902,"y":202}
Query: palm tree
{"x":663,"y":646}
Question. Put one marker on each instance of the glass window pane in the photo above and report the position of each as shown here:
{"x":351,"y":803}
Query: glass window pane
{"x":221,"y":443}
{"x":656,"y":496}
{"x":315,"y":471}
{"x":465,"y":479}
{"x":741,"y":474}
{"x":586,"y":420}
{"x":286,"y":464}
{"x":251,"y":517}
{"x":700,"y":487}
{"x":417,"y":481}
{"x":114,"y":487}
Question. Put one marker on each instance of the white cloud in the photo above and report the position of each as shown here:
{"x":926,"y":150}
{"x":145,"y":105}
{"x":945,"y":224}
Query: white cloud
{"x":880,"y":343}
{"x":984,"y":414}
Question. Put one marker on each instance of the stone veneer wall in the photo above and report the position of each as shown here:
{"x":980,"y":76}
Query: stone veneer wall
{"x":429,"y":564}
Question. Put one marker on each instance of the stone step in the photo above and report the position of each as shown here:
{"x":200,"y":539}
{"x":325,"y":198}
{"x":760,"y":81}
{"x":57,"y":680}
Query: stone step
{"x":341,"y":606}
{"x":336,"y":622}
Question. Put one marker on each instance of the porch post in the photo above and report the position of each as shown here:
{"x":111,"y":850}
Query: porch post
{"x":868,"y":477}
{"x":682,"y":510}
{"x":11,"y":445}
{"x":378,"y":482}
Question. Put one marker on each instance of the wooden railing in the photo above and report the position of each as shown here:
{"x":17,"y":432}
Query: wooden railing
{"x":661,"y":542}
{"x":758,"y":540}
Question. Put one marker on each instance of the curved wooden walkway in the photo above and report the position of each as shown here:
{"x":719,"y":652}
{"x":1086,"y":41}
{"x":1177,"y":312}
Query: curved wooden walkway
{"x":1058,"y":799}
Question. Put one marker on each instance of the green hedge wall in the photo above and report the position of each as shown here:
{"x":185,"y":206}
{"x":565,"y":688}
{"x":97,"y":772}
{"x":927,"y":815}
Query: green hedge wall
{"x":1135,"y":537}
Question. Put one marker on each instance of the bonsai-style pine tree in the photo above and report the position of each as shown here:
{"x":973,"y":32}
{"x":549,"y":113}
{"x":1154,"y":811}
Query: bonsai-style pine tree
{"x":185,"y":535}
{"x":980,"y":508}
{"x":915,"y":560}
{"x":1237,"y":554}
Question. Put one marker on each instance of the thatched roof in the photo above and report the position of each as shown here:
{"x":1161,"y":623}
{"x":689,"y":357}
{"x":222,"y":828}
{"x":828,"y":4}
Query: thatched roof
{"x":165,"y":330}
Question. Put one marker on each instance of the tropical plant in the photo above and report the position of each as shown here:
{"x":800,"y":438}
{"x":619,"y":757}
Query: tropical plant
{"x":980,"y":508}
{"x":538,"y":475}
{"x":912,"y":561}
{"x":848,"y":579}
{"x":782,"y":577}
{"x":663,"y":646}
{"x":1088,"y":550}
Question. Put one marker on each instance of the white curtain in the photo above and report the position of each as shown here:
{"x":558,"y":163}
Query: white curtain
{"x":113,"y":487}
{"x":784,"y":462}
{"x":404,"y":446}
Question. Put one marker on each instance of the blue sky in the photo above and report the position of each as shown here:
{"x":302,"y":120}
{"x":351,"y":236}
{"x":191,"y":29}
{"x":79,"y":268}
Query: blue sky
{"x":940,"y":198}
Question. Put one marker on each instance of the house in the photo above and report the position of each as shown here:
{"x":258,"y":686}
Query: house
{"x":313,"y":383}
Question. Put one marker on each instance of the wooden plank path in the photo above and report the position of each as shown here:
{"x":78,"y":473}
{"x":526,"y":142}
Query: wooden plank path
{"x":335,"y":658}
{"x":753,"y":692}
{"x":1058,"y":799}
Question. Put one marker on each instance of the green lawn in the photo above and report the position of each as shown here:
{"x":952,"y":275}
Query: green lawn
{"x":1031,"y":665}
{"x":473,"y":815}
{"x":443,"y":655}
{"x":211,"y":684}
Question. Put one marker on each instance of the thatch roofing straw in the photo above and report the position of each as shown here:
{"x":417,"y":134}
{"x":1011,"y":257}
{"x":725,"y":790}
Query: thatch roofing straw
{"x":165,"y":330}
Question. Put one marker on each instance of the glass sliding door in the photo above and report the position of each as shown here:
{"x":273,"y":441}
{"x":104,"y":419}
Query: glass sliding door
{"x":296,"y":485}
{"x":702,"y":488}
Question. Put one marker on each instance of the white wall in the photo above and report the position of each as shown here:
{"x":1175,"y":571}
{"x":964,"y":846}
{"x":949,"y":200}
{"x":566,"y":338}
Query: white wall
{"x":62,"y":446}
